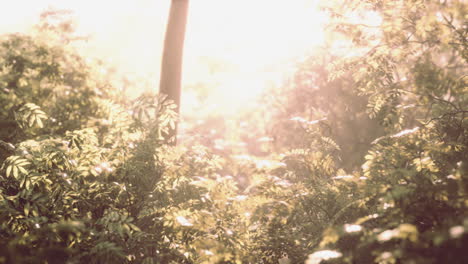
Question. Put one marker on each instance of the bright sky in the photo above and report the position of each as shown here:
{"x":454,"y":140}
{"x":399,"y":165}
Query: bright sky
{"x":248,"y":40}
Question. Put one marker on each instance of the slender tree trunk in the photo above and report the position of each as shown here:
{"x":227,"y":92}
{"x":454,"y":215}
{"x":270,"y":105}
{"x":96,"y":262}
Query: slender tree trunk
{"x":171,"y":68}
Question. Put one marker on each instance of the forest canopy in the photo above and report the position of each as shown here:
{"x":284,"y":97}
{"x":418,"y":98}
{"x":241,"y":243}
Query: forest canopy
{"x":359,"y":156}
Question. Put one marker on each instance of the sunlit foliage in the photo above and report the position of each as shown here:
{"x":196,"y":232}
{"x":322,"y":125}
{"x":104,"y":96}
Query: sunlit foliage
{"x":358,"y":158}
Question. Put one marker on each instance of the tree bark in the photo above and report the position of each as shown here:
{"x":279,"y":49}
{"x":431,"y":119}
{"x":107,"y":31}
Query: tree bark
{"x":171,"y":68}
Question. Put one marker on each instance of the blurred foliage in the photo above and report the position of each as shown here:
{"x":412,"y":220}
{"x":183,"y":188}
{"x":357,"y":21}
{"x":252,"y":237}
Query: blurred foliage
{"x":358,"y":158}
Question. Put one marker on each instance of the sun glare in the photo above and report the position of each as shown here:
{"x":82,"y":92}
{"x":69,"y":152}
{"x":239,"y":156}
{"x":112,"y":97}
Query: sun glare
{"x":251,"y":42}
{"x":257,"y":39}
{"x":253,"y":33}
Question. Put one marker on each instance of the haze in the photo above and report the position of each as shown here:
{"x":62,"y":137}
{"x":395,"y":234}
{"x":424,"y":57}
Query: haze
{"x":227,"y":41}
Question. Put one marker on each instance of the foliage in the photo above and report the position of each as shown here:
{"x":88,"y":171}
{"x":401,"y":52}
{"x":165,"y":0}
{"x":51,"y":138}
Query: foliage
{"x":366,"y":160}
{"x":414,"y":77}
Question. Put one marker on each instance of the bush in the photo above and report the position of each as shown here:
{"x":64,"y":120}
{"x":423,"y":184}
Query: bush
{"x":87,"y":177}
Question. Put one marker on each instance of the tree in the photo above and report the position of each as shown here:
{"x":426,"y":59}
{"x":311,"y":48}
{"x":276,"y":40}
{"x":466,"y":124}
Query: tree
{"x":171,"y":71}
{"x":412,"y":70}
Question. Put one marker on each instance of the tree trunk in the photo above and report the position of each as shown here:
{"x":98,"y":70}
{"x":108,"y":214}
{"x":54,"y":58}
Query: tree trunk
{"x":171,"y":68}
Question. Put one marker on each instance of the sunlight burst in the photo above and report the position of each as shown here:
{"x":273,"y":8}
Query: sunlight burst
{"x":233,"y":49}
{"x":256,"y":39}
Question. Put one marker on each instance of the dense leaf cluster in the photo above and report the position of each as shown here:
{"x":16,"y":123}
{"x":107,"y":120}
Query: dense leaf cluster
{"x":367,"y":157}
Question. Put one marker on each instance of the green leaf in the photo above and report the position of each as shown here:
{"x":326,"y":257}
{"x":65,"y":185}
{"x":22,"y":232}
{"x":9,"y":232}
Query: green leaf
{"x":39,"y":122}
{"x":32,"y":118}
{"x":22,"y":170}
{"x":8,"y":170}
{"x":15,"y":171}
{"x":134,"y":227}
{"x":26,"y":209}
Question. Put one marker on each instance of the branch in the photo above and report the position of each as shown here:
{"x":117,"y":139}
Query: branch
{"x":8,"y":146}
{"x":432,"y":97}
{"x":444,"y":115}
